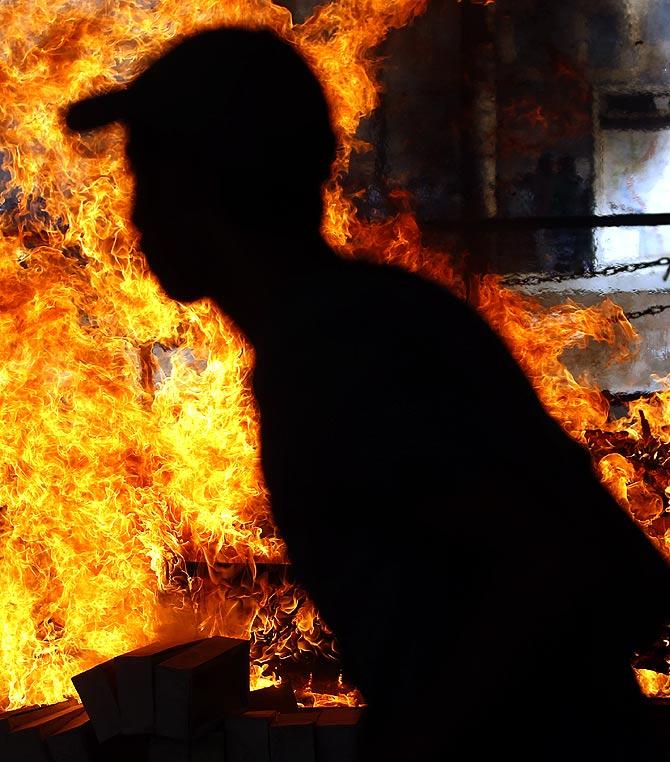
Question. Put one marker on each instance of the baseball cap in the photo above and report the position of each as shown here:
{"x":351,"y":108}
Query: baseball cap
{"x":248,"y":90}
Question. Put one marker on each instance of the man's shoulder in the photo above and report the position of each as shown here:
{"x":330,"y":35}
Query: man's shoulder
{"x":369,"y":278}
{"x":364,"y":321}
{"x":366,"y":293}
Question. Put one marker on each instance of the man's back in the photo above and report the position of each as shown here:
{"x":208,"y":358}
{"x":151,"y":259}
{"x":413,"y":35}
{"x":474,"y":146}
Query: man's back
{"x":451,"y":534}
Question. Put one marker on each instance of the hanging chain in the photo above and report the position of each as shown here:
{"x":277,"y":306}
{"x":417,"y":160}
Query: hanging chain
{"x":535,"y":280}
{"x":656,"y":309}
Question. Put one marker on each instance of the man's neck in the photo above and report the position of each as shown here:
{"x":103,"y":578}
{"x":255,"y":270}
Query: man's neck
{"x":255,"y":288}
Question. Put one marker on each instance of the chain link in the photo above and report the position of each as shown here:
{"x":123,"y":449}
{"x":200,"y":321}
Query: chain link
{"x":535,"y":280}
{"x":656,"y":309}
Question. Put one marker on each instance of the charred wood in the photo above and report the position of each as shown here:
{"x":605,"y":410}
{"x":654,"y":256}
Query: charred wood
{"x":12,"y":720}
{"x":74,"y":742}
{"x":280,"y":698}
{"x":26,"y":743}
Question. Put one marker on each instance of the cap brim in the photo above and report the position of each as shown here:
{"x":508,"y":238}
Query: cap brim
{"x":98,"y":110}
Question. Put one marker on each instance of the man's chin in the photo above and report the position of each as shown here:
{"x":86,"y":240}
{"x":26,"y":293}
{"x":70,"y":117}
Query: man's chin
{"x":182,"y":294}
{"x":181,"y":291}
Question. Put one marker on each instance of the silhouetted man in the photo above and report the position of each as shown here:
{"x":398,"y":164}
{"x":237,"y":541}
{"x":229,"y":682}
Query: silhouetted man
{"x":486,"y":591}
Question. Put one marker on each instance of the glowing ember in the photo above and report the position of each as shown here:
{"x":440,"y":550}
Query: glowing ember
{"x":128,"y":444}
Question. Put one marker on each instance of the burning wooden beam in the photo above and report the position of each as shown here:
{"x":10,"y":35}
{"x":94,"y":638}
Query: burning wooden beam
{"x":26,"y":741}
{"x":280,"y":698}
{"x":74,"y":742}
{"x":13,"y":719}
{"x":236,"y":571}
{"x":198,"y":687}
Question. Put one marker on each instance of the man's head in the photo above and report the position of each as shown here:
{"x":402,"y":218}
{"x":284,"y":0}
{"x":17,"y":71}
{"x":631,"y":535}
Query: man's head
{"x":230,"y":142}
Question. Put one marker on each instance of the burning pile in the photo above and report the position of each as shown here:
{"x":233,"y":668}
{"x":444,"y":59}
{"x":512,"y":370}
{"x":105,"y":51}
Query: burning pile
{"x":131,"y":501}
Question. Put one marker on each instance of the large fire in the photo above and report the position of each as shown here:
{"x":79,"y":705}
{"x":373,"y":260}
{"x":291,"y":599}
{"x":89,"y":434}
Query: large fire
{"x":130,"y":494}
